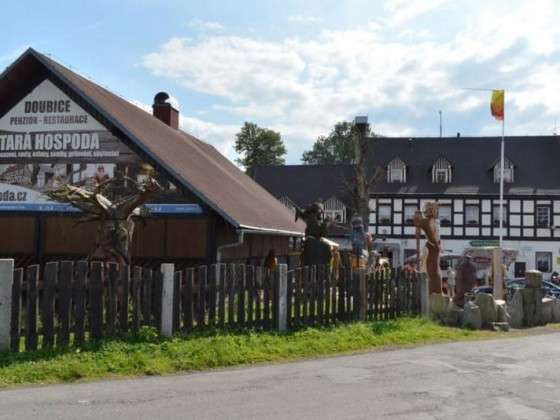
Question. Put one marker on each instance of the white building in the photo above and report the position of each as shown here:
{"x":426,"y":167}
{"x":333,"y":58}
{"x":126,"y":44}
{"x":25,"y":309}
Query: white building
{"x":462,"y":174}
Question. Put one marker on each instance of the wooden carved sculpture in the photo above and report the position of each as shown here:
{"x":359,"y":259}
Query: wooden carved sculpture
{"x":428,"y":224}
{"x":115,"y":218}
{"x":315,"y":252}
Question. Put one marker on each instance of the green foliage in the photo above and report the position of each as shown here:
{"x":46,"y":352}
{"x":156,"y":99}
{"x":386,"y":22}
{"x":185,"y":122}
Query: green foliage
{"x":147,"y":354}
{"x":259,"y":146}
{"x":337,"y":147}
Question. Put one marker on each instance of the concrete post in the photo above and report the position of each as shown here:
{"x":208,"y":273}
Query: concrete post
{"x":6,"y":282}
{"x":168,"y":271}
{"x":424,"y":295}
{"x":282,"y":296}
{"x":497,"y":266}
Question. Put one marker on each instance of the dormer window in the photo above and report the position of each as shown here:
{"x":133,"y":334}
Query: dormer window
{"x":335,"y":210}
{"x":396,"y":171}
{"x":441,"y":171}
{"x":508,"y":171}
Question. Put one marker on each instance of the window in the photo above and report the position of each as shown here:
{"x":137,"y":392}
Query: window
{"x":508,"y":171}
{"x":543,"y":261}
{"x":441,"y":171}
{"x":409,"y":212}
{"x":472,"y":216}
{"x":396,"y":171}
{"x":444,"y":216}
{"x":384,"y":215}
{"x":496,"y":215}
{"x":543,"y":216}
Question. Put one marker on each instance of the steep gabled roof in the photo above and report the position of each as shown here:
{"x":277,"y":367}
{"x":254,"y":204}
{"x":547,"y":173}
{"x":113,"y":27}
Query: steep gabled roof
{"x":189,"y":162}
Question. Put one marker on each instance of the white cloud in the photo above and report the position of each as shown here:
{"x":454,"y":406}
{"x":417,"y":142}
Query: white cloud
{"x":302,"y":86}
{"x":303,"y":19}
{"x":402,"y":11}
{"x":206,"y":25}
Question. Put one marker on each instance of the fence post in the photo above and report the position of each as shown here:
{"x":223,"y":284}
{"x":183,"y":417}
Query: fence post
{"x":424,"y":295}
{"x":360,"y":301}
{"x":168,"y":271}
{"x":6,"y":283}
{"x":282,"y":296}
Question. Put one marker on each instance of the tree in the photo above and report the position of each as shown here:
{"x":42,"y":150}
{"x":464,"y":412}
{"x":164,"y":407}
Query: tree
{"x":337,"y":147}
{"x":259,"y":146}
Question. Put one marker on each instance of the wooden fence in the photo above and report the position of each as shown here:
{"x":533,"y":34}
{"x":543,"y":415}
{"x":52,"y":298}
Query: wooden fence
{"x":68,"y":303}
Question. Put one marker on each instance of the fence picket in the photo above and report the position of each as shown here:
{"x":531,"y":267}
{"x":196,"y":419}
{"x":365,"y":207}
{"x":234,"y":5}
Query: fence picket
{"x":64,"y":302}
{"x":259,"y":292}
{"x":15,"y":319}
{"x":96,"y":300}
{"x":136,"y":298}
{"x":79,"y":299}
{"x":111,"y":298}
{"x":212,"y":294}
{"x":146,"y":296}
{"x":200,"y":295}
{"x":47,"y":303}
{"x":123,"y":291}
{"x":31,"y":308}
{"x":157,"y":288}
{"x":250,"y":295}
{"x":267,"y":286}
{"x":177,"y":281}
{"x":320,"y":294}
{"x":222,"y":287}
{"x":241,"y":287}
{"x":187,"y":297}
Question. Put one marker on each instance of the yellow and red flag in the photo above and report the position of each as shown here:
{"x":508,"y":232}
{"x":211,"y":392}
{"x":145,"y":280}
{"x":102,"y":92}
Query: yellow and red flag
{"x":497,"y":104}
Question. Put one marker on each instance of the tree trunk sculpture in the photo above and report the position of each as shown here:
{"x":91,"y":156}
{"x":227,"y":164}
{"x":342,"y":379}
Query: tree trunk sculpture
{"x":115,"y":218}
{"x":429,"y":226}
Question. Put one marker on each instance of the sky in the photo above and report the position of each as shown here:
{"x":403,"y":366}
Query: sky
{"x":298,"y":67}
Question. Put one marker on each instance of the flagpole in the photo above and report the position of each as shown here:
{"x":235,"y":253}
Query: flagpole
{"x":502,"y":152}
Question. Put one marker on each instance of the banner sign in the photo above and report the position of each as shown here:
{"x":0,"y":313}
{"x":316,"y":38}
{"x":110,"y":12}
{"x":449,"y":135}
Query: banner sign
{"x":48,"y":140}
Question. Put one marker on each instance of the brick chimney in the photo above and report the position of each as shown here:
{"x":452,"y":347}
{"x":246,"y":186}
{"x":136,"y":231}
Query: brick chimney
{"x":164,"y":111}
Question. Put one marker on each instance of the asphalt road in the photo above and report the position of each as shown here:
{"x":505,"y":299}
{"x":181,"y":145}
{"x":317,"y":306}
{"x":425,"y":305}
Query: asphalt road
{"x":503,"y":379}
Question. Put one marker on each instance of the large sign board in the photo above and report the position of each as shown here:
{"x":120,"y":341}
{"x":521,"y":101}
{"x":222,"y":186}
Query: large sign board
{"x":47,"y":140}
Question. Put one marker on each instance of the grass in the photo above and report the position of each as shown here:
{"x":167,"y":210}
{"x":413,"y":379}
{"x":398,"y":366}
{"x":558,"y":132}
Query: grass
{"x":146,"y":354}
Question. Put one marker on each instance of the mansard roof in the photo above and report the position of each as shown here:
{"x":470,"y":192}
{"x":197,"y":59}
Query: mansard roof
{"x":189,"y":162}
{"x":536,"y":158}
{"x":537,"y":170}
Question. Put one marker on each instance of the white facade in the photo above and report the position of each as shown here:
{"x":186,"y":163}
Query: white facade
{"x":532,"y":227}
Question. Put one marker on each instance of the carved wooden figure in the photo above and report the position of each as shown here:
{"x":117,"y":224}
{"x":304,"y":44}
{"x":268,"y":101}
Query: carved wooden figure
{"x":115,"y":218}
{"x":429,"y":226}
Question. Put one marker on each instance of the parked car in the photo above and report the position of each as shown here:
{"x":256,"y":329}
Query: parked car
{"x":550,"y":289}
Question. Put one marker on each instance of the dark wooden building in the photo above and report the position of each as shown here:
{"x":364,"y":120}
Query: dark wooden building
{"x":59,"y":127}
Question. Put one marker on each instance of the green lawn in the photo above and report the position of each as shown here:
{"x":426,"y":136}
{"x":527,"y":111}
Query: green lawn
{"x":146,"y":354}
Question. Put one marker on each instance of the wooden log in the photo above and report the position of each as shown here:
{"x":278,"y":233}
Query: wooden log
{"x":15,"y":318}
{"x":79,"y":299}
{"x":147,"y":296}
{"x":50,"y":279}
{"x":137,"y":277}
{"x":111,"y":298}
{"x":66,"y":278}
{"x":241,"y":285}
{"x":96,"y":300}
{"x":177,"y":282}
{"x":123,"y":292}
